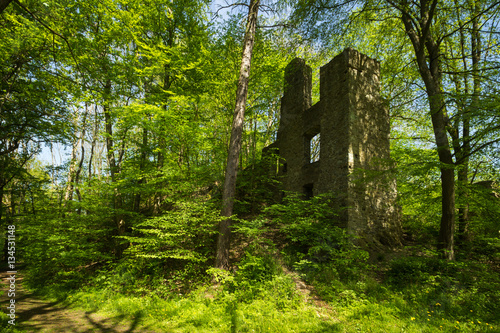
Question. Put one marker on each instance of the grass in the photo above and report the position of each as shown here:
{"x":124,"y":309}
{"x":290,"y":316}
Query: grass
{"x":441,"y":297}
{"x":413,"y":292}
{"x":209,"y":310}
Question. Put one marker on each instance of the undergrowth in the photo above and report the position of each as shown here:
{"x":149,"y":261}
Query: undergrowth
{"x":181,"y":292}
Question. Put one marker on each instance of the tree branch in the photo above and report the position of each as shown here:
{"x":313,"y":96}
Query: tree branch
{"x":4,"y":4}
{"x":52,"y":31}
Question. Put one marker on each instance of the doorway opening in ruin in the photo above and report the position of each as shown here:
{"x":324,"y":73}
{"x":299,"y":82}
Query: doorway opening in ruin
{"x":308,"y":191}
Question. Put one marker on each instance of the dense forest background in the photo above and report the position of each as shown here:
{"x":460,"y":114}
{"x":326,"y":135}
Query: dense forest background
{"x":142,"y":96}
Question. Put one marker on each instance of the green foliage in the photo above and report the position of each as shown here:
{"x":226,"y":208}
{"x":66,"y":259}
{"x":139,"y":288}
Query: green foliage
{"x":255,"y":188}
{"x":485,"y":248}
{"x":139,"y":277}
{"x":54,"y":258}
{"x":307,"y":224}
{"x":183,"y":233}
{"x":202,"y":311}
{"x":5,"y":326}
{"x":484,"y":206}
{"x":415,"y":270}
{"x":418,"y":191}
{"x":256,"y":268}
{"x":448,"y":297}
{"x":466,"y":291}
{"x":165,"y":254}
{"x":165,"y":75}
{"x":258,"y":275}
{"x":314,"y":241}
{"x":34,"y":100}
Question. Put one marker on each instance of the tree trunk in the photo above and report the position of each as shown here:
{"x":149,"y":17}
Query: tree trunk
{"x":94,"y":141}
{"x":5,"y":245}
{"x":1,"y":201}
{"x":224,"y":239}
{"x":462,"y":148}
{"x":439,"y":124}
{"x":430,"y":71}
{"x":74,"y":169}
{"x":22,"y":198}
{"x":82,"y":157}
{"x":112,"y":162}
{"x":110,"y":155}
{"x":71,"y":172}
{"x":463,"y":220}
{"x":142,"y":165}
{"x":162,"y":144}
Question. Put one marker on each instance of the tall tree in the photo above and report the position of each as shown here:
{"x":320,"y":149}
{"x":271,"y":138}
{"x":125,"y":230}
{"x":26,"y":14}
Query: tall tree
{"x":224,"y":239}
{"x":464,"y":67}
{"x":34,"y":104}
{"x":418,"y":20}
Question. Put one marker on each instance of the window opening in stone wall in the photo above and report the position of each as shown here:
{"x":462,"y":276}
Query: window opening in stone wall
{"x":314,"y":148}
{"x":285,"y":168}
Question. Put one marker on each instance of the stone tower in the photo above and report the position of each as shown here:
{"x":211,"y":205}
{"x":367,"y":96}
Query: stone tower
{"x":352,"y":127}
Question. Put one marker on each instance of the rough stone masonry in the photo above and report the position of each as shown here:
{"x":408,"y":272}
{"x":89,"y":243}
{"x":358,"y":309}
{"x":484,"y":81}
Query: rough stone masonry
{"x":352,"y":126}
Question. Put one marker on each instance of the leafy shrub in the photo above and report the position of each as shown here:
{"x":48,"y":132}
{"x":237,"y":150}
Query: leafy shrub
{"x":254,"y":187}
{"x":167,"y":254}
{"x":415,"y":270}
{"x":62,"y":250}
{"x":486,"y":247}
{"x":185,"y":233}
{"x":255,"y":267}
{"x":314,"y":241}
{"x":4,"y":320}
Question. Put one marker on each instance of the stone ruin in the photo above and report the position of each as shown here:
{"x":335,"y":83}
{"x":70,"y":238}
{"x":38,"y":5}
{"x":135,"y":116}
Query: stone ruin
{"x":351,"y":126}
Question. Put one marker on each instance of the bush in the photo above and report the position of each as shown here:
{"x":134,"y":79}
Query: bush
{"x":315,"y":243}
{"x":257,"y":267}
{"x":415,"y":270}
{"x":62,"y":250}
{"x":185,"y":233}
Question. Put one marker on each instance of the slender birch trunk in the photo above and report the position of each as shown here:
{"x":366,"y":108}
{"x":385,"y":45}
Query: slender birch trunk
{"x":224,"y":240}
{"x":68,"y":196}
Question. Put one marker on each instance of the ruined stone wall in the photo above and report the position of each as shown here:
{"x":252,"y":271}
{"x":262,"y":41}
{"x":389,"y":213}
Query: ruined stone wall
{"x":295,"y":101}
{"x":354,"y":149}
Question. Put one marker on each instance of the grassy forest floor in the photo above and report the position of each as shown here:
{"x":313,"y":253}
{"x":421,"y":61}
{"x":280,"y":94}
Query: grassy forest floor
{"x":282,"y":303}
{"x":94,"y":312}
{"x":292,"y":272}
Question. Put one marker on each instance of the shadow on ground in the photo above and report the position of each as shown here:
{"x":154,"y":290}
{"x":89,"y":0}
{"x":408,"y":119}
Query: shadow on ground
{"x":37,"y":315}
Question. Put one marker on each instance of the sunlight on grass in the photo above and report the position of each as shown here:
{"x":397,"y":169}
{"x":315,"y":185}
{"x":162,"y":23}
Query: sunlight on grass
{"x":199,"y":312}
{"x":210,"y":309}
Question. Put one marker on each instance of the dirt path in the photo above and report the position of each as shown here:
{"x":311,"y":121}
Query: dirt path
{"x":37,"y":315}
